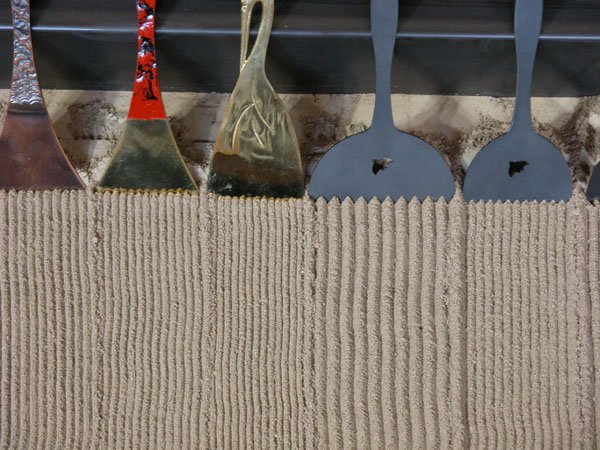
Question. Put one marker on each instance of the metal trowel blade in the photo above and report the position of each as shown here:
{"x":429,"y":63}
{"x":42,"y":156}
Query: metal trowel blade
{"x":147,"y":158}
{"x":31,"y":158}
{"x":593,"y":190}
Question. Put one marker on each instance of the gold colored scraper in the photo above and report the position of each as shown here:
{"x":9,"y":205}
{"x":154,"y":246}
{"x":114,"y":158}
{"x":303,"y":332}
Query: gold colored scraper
{"x":256,"y":151}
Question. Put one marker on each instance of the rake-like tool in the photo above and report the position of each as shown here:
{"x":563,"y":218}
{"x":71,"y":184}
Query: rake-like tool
{"x":521,"y":164}
{"x":382,"y":161}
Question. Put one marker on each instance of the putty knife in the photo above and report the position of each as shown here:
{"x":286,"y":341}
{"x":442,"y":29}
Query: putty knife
{"x":521,"y":164}
{"x":256,"y":152}
{"x":30,"y":155}
{"x":147,"y":156}
{"x":382,"y":161}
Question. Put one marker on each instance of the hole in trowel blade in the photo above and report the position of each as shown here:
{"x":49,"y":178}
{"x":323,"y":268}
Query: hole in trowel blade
{"x":256,"y":17}
{"x":381,"y":164}
{"x":516,"y":167}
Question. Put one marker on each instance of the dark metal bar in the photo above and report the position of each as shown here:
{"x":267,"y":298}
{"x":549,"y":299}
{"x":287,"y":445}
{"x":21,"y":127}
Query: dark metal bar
{"x":322,"y":46}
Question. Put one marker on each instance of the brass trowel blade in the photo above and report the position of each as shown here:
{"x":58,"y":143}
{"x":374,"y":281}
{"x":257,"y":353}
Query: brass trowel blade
{"x":147,"y":158}
{"x":31,"y":158}
{"x":234,"y":176}
{"x":256,"y":151}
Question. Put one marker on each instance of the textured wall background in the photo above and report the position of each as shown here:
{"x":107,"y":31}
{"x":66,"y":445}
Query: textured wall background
{"x":89,"y":123}
{"x":180,"y":321}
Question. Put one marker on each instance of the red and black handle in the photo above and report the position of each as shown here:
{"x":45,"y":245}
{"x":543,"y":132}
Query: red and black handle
{"x":146,"y":103}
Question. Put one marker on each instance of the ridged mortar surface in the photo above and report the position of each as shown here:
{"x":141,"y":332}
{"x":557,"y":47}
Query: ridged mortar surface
{"x":194,"y":321}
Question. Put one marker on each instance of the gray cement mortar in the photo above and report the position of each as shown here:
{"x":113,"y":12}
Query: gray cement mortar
{"x":89,"y":123}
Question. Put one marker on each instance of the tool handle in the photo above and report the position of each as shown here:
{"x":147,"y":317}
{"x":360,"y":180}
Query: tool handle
{"x":25,"y":89}
{"x":146,"y":103}
{"x":528,"y":24}
{"x":384,"y":26}
{"x":259,"y":50}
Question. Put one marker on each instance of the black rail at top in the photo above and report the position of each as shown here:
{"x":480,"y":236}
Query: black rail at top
{"x":460,"y":47}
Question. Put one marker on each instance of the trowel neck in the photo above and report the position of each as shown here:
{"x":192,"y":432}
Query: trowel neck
{"x":146,"y":103}
{"x":528,"y":24}
{"x":25,"y":89}
{"x":522,"y":110}
{"x":259,"y":50}
{"x":383,"y":116}
{"x":384,"y":25}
